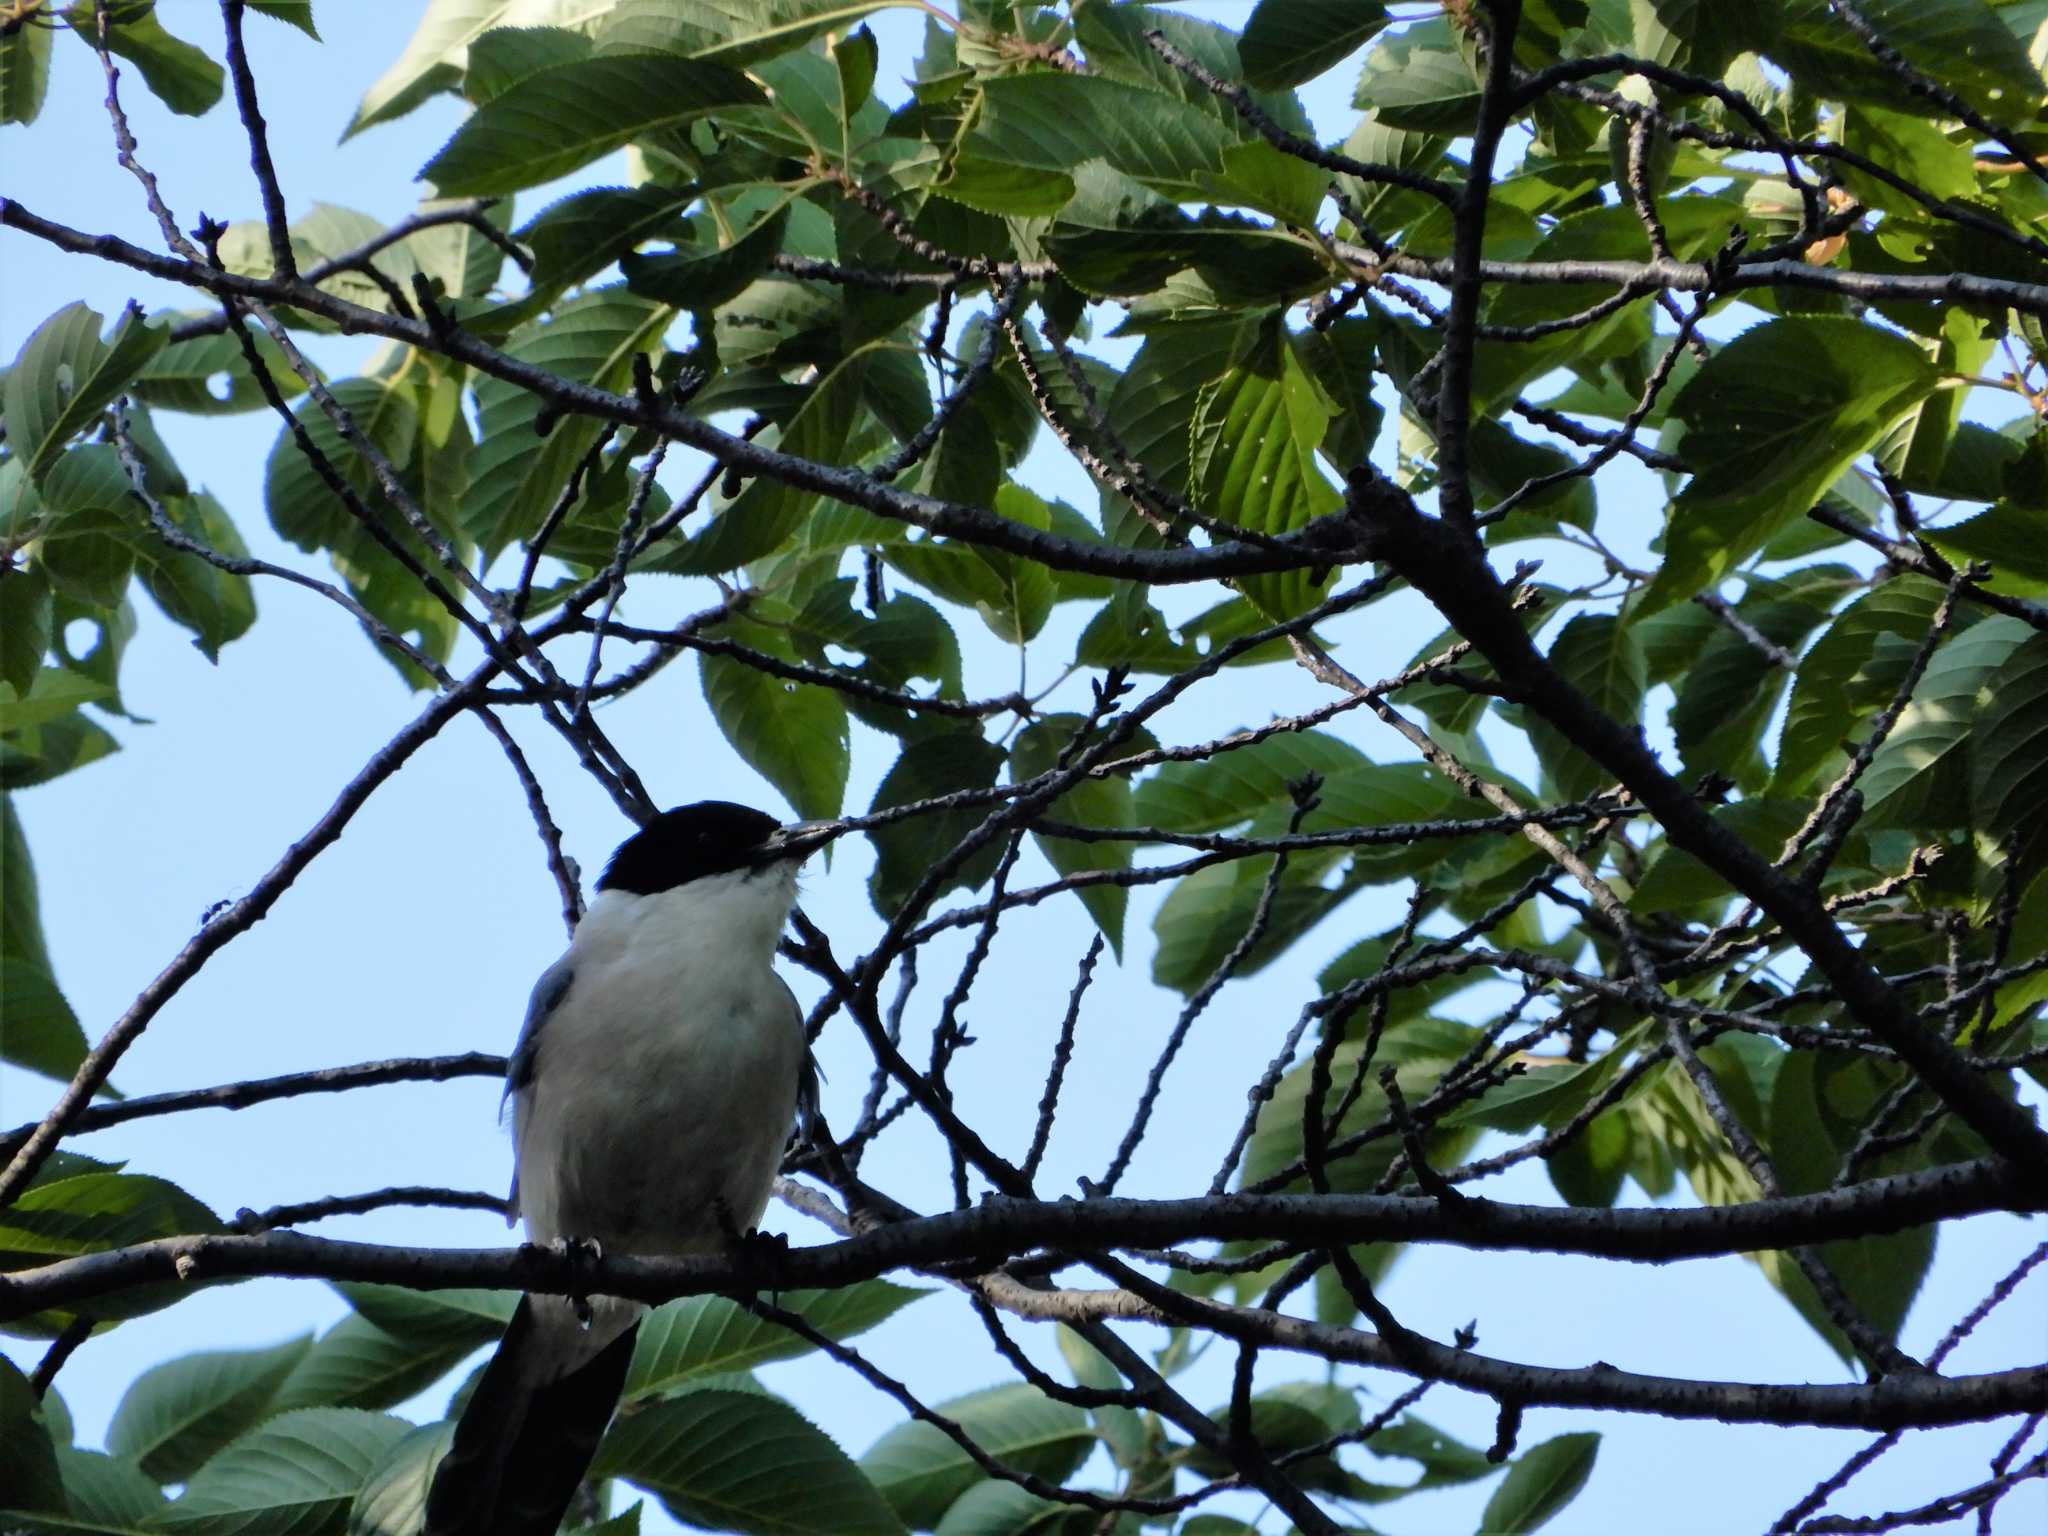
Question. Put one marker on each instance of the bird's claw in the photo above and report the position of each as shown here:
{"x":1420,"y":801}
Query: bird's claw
{"x":578,"y":1253}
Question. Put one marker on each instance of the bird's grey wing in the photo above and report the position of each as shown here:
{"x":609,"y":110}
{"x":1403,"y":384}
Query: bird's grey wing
{"x":807,"y":1074}
{"x":548,"y":993}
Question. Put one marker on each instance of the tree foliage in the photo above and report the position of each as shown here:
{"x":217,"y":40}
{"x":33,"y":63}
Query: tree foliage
{"x":1721,"y":850}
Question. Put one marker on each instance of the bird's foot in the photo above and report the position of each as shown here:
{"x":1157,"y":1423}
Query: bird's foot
{"x":578,"y":1253}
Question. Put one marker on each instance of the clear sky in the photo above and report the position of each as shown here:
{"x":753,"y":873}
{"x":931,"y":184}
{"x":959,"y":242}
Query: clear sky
{"x":423,"y":929}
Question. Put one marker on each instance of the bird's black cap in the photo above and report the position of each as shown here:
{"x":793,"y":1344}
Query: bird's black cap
{"x":712,"y":837}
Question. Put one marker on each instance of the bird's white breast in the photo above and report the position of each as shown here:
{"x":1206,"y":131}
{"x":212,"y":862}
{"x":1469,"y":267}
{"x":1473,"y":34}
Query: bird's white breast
{"x":665,"y":1081}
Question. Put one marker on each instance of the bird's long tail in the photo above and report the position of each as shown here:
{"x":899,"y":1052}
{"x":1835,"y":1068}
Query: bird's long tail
{"x":530,"y":1429}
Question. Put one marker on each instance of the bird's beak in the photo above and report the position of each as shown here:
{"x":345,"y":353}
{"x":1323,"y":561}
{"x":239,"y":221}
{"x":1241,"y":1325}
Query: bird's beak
{"x":799,"y":840}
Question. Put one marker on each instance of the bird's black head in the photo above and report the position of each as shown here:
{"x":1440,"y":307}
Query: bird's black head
{"x":712,"y":837}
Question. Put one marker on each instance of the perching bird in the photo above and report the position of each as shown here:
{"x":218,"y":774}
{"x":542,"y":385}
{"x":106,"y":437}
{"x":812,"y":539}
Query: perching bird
{"x":652,"y":1090}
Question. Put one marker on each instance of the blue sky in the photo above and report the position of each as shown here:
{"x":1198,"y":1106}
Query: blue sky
{"x":421,"y":931}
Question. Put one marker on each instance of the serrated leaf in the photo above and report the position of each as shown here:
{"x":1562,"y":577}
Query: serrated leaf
{"x":1252,"y":460}
{"x":175,"y":1415}
{"x":28,"y":1461}
{"x":516,"y":475}
{"x":735,"y":32}
{"x":552,"y":123}
{"x":1850,"y":673}
{"x":767,"y":511}
{"x":64,"y":376}
{"x":741,"y":1461}
{"x":108,"y":1494}
{"x":1418,"y":79}
{"x":1540,"y":1482}
{"x":393,"y":1498}
{"x":703,"y":279}
{"x":1771,"y":420}
{"x":1921,"y":775}
{"x":90,"y":1213}
{"x":795,"y":735}
{"x":1286,"y":42}
{"x":1599,"y":655}
{"x":356,"y":1364}
{"x":920,"y":1471}
{"x":931,"y":766}
{"x":587,"y":231}
{"x":24,"y":73}
{"x":2010,"y":538}
{"x":299,"y":1472}
{"x":209,"y":376}
{"x":1050,"y":122}
{"x":181,"y":76}
{"x":701,"y":1336}
{"x":1104,"y":802}
{"x":2009,"y":746}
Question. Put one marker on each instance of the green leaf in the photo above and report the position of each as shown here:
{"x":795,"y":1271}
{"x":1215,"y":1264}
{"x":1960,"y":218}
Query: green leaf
{"x":1418,"y":78}
{"x":734,"y":34}
{"x":28,"y":1462}
{"x":302,"y":507}
{"x":66,"y":1217}
{"x":1599,"y":655}
{"x":1963,"y":44}
{"x":930,"y":766}
{"x":1053,"y":122}
{"x":1231,"y":788}
{"x":40,"y":1032}
{"x":208,"y":375}
{"x":1102,"y":802}
{"x":216,"y":605}
{"x":107,"y":1493}
{"x":64,"y":376}
{"x":1541,"y":1481}
{"x":741,"y":1461}
{"x":2010,"y":538}
{"x":764,"y":514}
{"x":174,"y":1416}
{"x":552,"y":123}
{"x":1821,"y":1103}
{"x":2009,"y":747}
{"x":356,"y":1364}
{"x":39,"y":755}
{"x":516,"y":475}
{"x":54,"y":694}
{"x":181,"y":76}
{"x":921,"y":1472}
{"x":702,"y":1336}
{"x":1850,"y":673}
{"x":1730,"y":690}
{"x":702,"y":279}
{"x":1252,"y":457}
{"x":1771,"y":419}
{"x":393,"y":1499}
{"x":587,"y":231}
{"x":454,"y":1316}
{"x":1292,"y":1417}
{"x":504,"y":56}
{"x":296,"y":13}
{"x":299,"y":1472}
{"x":795,"y":735}
{"x":24,"y":627}
{"x":1921,"y":775}
{"x":435,"y":56}
{"x":995,"y":1508}
{"x":1287,"y":42}
{"x":855,"y":56}
{"x":1419,"y":1049}
{"x":24,"y":73}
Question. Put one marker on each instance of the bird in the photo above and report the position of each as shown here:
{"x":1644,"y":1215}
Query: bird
{"x":655,"y":1081}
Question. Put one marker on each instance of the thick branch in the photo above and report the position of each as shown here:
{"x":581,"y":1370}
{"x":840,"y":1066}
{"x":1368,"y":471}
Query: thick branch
{"x":1001,"y":1228}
